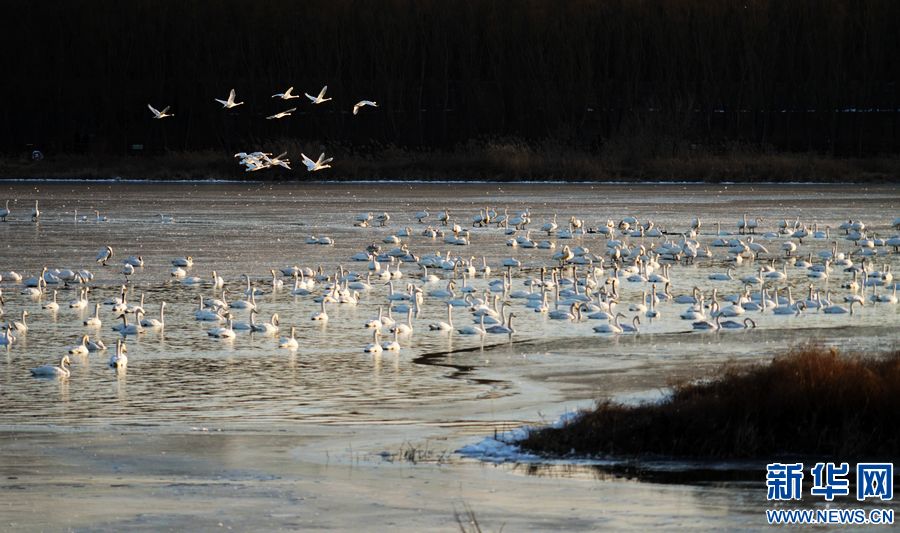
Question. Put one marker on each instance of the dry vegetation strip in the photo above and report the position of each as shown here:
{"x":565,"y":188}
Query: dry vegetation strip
{"x":810,"y":401}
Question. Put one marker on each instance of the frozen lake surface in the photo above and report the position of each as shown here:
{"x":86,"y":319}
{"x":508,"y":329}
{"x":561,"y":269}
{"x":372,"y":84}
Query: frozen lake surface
{"x":199,"y":430}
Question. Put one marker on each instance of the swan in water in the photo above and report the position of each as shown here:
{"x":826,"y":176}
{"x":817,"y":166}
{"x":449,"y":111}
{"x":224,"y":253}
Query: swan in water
{"x":35,"y":213}
{"x":185,"y":262}
{"x":320,"y":98}
{"x":160,"y":114}
{"x":362,"y":103}
{"x":154,"y":323}
{"x":444,"y":326}
{"x":80,"y":349}
{"x":612,"y":326}
{"x":633,"y":327}
{"x":228,"y":104}
{"x":839,"y":309}
{"x":374,"y":346}
{"x":731,"y":324}
{"x":104,"y":255}
{"x":19,"y":325}
{"x":119,"y":359}
{"x":81,"y":302}
{"x":706,"y":324}
{"x":94,"y":321}
{"x":320,"y":315}
{"x":53,"y":305}
{"x":404,"y":329}
{"x":222,"y":332}
{"x":276,"y":283}
{"x":129,"y":329}
{"x":286,"y":95}
{"x":392,"y":346}
{"x":50,"y":371}
{"x":206,"y":315}
{"x":502,"y":328}
{"x":289,"y":343}
{"x":718,"y":276}
{"x":4,"y":212}
{"x":7,"y":338}
{"x":473,"y":330}
{"x":281,"y":114}
{"x":269,"y":328}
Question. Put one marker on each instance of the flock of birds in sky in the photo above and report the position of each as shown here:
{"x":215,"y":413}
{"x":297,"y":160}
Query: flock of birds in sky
{"x":573,"y":284}
{"x":255,"y":161}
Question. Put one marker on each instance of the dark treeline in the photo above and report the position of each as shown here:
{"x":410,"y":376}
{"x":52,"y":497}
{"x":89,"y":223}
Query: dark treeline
{"x":666,"y":75}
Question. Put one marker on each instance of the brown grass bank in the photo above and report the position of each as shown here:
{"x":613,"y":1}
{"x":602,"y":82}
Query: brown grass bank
{"x":493,"y":160}
{"x":810,"y":401}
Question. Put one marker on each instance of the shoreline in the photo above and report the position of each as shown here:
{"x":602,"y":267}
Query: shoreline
{"x":488,"y":163}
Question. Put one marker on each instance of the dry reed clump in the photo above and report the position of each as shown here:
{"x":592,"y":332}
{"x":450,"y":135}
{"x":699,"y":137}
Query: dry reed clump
{"x":811,"y":401}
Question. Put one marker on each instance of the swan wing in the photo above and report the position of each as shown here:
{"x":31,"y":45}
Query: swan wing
{"x":322,"y":92}
{"x":152,"y":109}
{"x":223,"y":102}
{"x":311,"y":98}
{"x":231,"y":97}
{"x":166,"y":110}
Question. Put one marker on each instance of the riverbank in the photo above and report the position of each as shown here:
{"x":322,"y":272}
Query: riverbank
{"x":808,"y":402}
{"x":483,"y":161}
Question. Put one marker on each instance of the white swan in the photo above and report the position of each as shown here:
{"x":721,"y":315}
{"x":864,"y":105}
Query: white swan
{"x":444,"y":326}
{"x":154,"y":323}
{"x":94,"y":321}
{"x":612,"y":327}
{"x":319,"y":164}
{"x":4,"y":212}
{"x":362,"y":103}
{"x":160,"y":114}
{"x":81,"y":302}
{"x":119,"y":359}
{"x":718,"y":276}
{"x":731,"y":324}
{"x":286,"y":95}
{"x":473,"y":330}
{"x":374,"y":346}
{"x":269,"y":328}
{"x":228,"y":104}
{"x":129,"y":329}
{"x":320,"y":315}
{"x":7,"y":338}
{"x":706,"y":324}
{"x":289,"y":343}
{"x":404,"y":329}
{"x":53,"y":305}
{"x":392,"y":346}
{"x":50,"y":371}
{"x":81,"y":349}
{"x":35,"y":213}
{"x":19,"y":325}
{"x":222,"y":332}
{"x":320,"y":98}
{"x":104,"y":255}
{"x":185,"y":262}
{"x":506,"y":329}
{"x":282,"y":114}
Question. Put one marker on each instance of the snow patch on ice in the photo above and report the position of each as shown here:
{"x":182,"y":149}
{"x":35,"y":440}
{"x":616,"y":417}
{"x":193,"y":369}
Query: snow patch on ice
{"x":504,"y":448}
